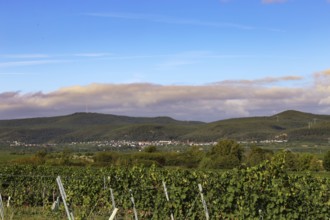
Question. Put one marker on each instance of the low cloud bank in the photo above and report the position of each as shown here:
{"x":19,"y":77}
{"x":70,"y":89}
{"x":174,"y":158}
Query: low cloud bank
{"x":210,"y":102}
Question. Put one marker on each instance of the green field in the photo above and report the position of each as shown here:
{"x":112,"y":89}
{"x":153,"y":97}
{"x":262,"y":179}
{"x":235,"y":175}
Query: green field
{"x":7,"y":157}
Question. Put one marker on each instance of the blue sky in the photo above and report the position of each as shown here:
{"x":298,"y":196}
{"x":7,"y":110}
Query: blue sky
{"x":275,"y":48}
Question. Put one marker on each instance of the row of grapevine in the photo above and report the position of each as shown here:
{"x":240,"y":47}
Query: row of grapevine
{"x":265,"y":191}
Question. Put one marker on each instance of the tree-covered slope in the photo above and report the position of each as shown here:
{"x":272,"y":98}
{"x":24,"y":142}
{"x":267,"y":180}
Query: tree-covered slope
{"x":291,"y":125}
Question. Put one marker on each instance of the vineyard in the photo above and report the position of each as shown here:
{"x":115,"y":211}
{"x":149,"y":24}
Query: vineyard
{"x":266,"y":191}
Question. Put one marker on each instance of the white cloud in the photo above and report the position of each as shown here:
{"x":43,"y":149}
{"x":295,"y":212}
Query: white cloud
{"x":267,"y":80}
{"x":322,"y":85}
{"x":205,"y":102}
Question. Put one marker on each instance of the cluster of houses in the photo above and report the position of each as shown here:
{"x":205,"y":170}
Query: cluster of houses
{"x":141,"y":144}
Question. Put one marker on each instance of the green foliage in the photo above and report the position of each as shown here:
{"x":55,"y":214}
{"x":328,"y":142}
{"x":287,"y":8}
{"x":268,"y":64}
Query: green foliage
{"x":106,"y":157}
{"x":150,"y":149}
{"x":258,"y":155}
{"x":265,"y":191}
{"x":226,"y":154}
{"x":191,"y":157}
{"x":41,"y":154}
{"x":315,"y":164}
{"x":147,"y":159}
{"x":326,"y":161}
{"x":65,"y":156}
{"x":299,"y":162}
{"x":291,"y":161}
{"x":304,"y":161}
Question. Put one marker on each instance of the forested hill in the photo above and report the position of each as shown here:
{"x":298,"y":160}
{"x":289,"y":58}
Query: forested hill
{"x":93,"y":127}
{"x":290,"y":125}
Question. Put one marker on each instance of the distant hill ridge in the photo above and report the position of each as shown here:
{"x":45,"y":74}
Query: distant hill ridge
{"x":90,"y":118}
{"x":295,"y":125}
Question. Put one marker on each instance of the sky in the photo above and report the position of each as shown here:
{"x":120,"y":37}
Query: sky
{"x":191,"y":60}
